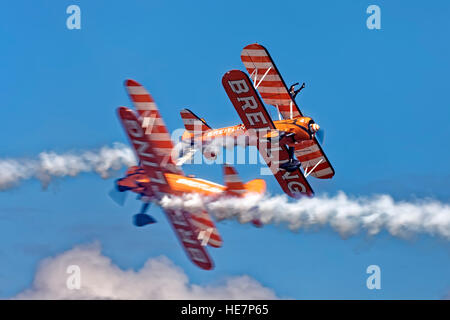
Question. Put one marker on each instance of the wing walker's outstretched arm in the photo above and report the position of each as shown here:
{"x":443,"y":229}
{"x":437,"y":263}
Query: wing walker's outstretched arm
{"x":294,"y":92}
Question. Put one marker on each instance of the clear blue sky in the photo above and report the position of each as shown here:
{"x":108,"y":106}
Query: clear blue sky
{"x":382,"y":97}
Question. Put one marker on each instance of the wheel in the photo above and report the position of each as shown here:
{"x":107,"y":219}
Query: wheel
{"x":291,"y":166}
{"x":142,"y":219}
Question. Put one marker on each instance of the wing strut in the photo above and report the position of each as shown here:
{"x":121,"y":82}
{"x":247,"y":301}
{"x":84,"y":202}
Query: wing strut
{"x":290,"y":107}
{"x":306,"y":169}
{"x":265,"y":74}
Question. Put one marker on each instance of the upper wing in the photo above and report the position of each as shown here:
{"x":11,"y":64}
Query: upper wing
{"x":184,"y":230}
{"x":268,"y":80}
{"x":151,"y":119}
{"x":255,"y":116}
{"x":274,"y":91}
{"x":154,"y":163}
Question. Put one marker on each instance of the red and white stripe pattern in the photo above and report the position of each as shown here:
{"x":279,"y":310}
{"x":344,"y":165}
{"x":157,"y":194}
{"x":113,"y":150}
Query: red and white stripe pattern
{"x":272,"y":88}
{"x":156,"y":130}
{"x":309,"y":156}
{"x":202,"y":223}
{"x":192,"y":123}
{"x":232,"y":181}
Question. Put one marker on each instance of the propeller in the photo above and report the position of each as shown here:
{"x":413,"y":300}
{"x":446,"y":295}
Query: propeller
{"x":320,"y":135}
{"x":117,"y":196}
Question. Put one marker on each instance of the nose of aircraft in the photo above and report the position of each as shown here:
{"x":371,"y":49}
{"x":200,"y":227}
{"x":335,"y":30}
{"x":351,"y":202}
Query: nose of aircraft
{"x":314,"y":127}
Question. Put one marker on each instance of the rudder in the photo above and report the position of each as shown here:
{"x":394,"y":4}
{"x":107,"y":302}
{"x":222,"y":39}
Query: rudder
{"x":193,"y":124}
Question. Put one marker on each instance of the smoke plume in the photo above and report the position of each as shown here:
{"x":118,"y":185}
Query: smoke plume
{"x":49,"y":165}
{"x":346,"y":215}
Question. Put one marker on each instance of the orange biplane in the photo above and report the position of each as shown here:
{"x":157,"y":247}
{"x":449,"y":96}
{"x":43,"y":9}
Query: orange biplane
{"x":280,"y":141}
{"x":157,"y":175}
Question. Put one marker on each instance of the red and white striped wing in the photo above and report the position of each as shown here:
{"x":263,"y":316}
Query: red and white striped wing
{"x":154,"y":164}
{"x":202,"y":222}
{"x":272,"y":88}
{"x":186,"y":233}
{"x":155,"y":129}
{"x":310,"y":156}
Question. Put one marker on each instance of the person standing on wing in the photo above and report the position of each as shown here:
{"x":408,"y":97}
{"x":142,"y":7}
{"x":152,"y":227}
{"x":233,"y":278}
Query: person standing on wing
{"x":292,"y":164}
{"x":294,"y":92}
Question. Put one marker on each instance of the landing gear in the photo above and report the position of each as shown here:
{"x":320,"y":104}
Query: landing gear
{"x":142,"y":219}
{"x":292,"y":164}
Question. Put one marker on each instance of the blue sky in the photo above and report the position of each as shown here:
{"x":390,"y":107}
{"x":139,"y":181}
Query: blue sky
{"x":381,"y":95}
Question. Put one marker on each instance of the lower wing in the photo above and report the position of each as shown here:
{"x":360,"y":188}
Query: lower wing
{"x":206,"y":229}
{"x":188,"y":236}
{"x":314,"y":161}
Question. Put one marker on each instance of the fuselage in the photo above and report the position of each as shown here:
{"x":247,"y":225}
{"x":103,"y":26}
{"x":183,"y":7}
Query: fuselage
{"x":180,"y":185}
{"x":299,"y":128}
{"x":137,"y":181}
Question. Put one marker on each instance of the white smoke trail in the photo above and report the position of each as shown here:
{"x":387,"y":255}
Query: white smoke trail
{"x":344,"y":214}
{"x":50,"y":165}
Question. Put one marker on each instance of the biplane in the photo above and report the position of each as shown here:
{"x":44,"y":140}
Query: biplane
{"x":287,"y":144}
{"x":157,"y":175}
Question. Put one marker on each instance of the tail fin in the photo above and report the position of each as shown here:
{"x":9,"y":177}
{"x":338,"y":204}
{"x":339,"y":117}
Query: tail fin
{"x":234,"y":185}
{"x":193,"y":124}
{"x":232,"y":182}
{"x":194,"y":127}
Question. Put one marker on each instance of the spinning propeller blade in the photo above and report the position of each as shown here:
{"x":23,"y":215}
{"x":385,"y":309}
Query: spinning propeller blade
{"x":117,"y":196}
{"x":320,"y":135}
